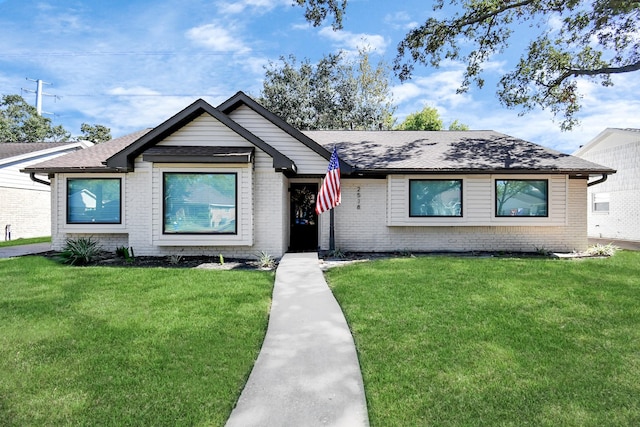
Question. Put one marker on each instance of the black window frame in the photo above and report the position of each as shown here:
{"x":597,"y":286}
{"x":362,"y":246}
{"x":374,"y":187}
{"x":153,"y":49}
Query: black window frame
{"x":92,"y":222}
{"x":497,"y":209}
{"x":459,"y":180}
{"x":195,"y":233}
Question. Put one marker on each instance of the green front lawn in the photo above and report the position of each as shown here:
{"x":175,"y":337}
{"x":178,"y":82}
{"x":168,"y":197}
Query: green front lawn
{"x":452,"y":341}
{"x":126,"y":346}
{"x":20,"y":242}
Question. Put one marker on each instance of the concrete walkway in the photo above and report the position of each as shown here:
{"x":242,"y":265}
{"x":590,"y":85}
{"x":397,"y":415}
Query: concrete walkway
{"x":34,"y":248}
{"x":307,"y":372}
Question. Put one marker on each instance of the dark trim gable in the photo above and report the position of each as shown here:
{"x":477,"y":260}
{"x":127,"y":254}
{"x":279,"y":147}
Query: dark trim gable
{"x":124,"y":160}
{"x":240,"y":98}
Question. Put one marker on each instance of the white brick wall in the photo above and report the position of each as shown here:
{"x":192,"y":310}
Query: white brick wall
{"x":623,"y":219}
{"x":28,"y":212}
{"x":361,"y":226}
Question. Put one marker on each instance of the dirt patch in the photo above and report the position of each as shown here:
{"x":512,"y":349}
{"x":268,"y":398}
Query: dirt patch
{"x":108,"y":259}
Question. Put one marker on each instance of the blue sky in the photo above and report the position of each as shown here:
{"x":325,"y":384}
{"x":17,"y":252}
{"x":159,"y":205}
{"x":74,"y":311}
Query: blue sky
{"x":130,"y":65}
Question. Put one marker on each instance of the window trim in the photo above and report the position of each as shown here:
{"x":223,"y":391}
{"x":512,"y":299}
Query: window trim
{"x":495,"y":198}
{"x":67,"y":221}
{"x":410,"y":198}
{"x":193,"y":233}
{"x":594,"y":203}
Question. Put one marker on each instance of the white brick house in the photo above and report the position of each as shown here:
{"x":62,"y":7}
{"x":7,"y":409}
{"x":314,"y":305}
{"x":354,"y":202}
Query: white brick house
{"x":25,"y":205}
{"x":237,"y":180}
{"x":614,"y":205}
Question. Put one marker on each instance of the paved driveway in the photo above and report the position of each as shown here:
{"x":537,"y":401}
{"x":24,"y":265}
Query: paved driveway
{"x":13,"y":251}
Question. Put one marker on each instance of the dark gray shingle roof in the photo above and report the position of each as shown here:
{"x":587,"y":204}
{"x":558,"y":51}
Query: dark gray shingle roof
{"x":90,"y":159}
{"x":448,"y":151}
{"x":12,"y":149}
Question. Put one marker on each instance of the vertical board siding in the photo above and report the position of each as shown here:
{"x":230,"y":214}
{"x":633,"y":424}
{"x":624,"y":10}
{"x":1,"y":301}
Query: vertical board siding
{"x":307,"y":160}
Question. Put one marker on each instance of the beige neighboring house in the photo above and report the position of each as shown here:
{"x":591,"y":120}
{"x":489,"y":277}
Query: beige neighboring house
{"x":25,"y":204}
{"x":237,"y":180}
{"x":614,"y":205}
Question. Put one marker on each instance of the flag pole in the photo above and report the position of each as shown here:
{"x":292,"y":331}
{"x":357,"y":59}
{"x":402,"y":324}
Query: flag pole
{"x":332,"y":237}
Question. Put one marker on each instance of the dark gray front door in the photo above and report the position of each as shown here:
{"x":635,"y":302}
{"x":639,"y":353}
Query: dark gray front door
{"x":304,"y":220}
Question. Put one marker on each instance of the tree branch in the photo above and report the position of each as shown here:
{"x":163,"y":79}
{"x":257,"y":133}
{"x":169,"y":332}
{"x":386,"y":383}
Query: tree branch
{"x":605,"y":70}
{"x":493,"y":14}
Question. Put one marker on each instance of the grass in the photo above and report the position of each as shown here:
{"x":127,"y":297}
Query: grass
{"x":496,"y":342}
{"x":20,"y":242}
{"x":126,"y":346}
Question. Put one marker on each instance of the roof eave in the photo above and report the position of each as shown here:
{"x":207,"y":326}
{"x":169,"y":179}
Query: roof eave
{"x":124,"y":159}
{"x":449,"y":171}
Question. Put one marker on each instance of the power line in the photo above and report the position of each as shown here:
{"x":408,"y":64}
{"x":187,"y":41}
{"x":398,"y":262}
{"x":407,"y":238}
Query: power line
{"x":116,"y":53}
{"x":182,"y":95}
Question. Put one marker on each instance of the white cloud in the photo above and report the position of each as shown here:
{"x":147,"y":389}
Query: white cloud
{"x":218,"y":38}
{"x":351,"y":42}
{"x":259,"y":6}
{"x":400,"y":20}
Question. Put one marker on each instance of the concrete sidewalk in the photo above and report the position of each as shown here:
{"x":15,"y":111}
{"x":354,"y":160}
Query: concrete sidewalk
{"x":307,"y":372}
{"x":35,"y":248}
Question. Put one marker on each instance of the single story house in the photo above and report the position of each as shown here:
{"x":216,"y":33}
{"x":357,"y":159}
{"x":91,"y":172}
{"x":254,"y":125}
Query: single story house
{"x":25,"y":205}
{"x":237,"y":180}
{"x":614,"y":205}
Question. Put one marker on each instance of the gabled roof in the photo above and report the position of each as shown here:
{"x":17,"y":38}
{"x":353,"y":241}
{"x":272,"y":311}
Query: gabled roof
{"x":124,"y":159}
{"x":449,"y":152}
{"x":608,"y":138}
{"x":240,"y":99}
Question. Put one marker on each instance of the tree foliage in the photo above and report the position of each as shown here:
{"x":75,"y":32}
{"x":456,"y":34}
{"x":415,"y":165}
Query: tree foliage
{"x":428,"y":119}
{"x":575,"y":39}
{"x":19,"y":122}
{"x":335,"y":93}
{"x":95,"y":133}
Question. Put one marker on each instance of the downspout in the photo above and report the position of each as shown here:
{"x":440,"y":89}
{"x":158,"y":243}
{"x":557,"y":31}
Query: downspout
{"x":598,"y":181}
{"x":38,"y":180}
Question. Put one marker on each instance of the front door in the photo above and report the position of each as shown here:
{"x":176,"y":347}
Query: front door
{"x":304,"y":220}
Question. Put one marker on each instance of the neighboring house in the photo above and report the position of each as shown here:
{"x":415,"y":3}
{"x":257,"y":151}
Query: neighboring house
{"x":237,"y":180}
{"x":614,"y":205}
{"x":25,"y":205}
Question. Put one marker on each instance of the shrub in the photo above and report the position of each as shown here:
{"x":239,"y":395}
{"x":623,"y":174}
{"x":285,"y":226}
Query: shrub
{"x":81,"y":251}
{"x":603,"y":250}
{"x":126,"y":253}
{"x":265,"y":260}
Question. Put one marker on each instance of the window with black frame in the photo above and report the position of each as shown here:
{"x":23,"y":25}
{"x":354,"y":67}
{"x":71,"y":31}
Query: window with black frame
{"x":522,"y":197}
{"x":200,"y":203}
{"x":435,"y":198}
{"x":94,"y":201}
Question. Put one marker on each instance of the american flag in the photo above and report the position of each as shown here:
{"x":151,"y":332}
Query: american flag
{"x":329,"y":195}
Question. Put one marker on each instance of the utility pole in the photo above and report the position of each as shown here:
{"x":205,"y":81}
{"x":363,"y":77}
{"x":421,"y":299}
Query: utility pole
{"x":39,"y":94}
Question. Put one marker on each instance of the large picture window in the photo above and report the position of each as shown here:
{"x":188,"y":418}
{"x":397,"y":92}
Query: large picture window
{"x":200,"y":203}
{"x":435,"y":197}
{"x":93,"y":201}
{"x":522,"y":197}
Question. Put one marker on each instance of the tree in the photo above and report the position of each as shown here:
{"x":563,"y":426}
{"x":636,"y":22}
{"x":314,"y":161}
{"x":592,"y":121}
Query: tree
{"x":95,"y":133}
{"x":333,"y":94}
{"x":428,"y":119}
{"x":456,"y":125}
{"x":19,"y":122}
{"x":594,"y":39}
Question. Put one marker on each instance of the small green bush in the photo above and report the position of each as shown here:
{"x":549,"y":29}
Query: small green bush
{"x":265,"y":260}
{"x":126,"y":253}
{"x":81,"y":251}
{"x":603,"y":250}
